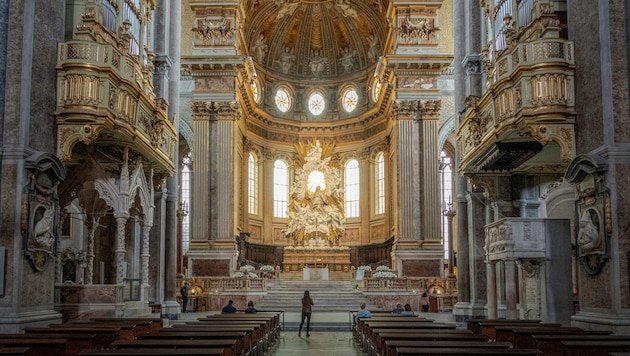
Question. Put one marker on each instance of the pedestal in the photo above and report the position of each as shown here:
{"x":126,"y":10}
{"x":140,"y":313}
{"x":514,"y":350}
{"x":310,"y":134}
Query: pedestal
{"x":332,"y":258}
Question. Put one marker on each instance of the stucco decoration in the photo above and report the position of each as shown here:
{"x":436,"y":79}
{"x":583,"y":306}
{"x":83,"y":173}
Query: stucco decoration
{"x":315,"y":209}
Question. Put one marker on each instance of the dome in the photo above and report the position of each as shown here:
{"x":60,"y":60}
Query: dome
{"x":316,"y":39}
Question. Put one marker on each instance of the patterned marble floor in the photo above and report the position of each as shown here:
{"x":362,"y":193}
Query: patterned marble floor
{"x":319,"y":343}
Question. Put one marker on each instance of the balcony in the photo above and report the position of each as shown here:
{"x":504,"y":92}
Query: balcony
{"x":105,"y":97}
{"x":528,"y":104}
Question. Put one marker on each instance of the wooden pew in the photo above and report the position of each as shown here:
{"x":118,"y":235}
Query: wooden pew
{"x":552,"y":344}
{"x":594,"y":347}
{"x":474,"y":324}
{"x":127,"y":331}
{"x":249,"y":346}
{"x":366,"y":326}
{"x":454,"y":351}
{"x":150,"y":352}
{"x":13,"y":351}
{"x":48,"y":347}
{"x":228,"y":345}
{"x":507,"y":333}
{"x":526,"y":339}
{"x":264,"y":337}
{"x":391,"y":345}
{"x":239,"y":346}
{"x":137,"y":327}
{"x":103,"y":336}
{"x":493,"y":331}
{"x":74,"y":342}
{"x":156,"y":323}
{"x":379,"y":346}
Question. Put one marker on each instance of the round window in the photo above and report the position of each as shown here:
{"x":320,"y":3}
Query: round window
{"x":282,"y":100}
{"x":350,"y":100}
{"x":316,"y":104}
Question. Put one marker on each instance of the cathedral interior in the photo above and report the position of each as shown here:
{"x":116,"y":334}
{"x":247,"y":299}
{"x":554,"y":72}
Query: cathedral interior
{"x":476,"y":148}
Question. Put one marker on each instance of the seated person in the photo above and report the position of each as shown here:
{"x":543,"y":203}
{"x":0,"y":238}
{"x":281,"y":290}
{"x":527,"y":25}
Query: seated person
{"x":229,"y":308}
{"x":399,"y":309}
{"x":407,"y":310}
{"x":250,"y":308}
{"x":363,"y":313}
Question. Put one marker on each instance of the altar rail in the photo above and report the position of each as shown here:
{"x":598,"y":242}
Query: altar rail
{"x":225,"y":284}
{"x":409,"y":284}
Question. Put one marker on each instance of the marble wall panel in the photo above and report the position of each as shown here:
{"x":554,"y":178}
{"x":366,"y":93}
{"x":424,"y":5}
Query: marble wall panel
{"x":211,"y":268}
{"x":421,"y":268}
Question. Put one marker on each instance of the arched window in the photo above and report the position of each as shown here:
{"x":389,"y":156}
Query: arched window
{"x":352,"y":189}
{"x":446,"y":192}
{"x":252,"y":185}
{"x":380,"y":184}
{"x":186,"y":173}
{"x":280,"y":189}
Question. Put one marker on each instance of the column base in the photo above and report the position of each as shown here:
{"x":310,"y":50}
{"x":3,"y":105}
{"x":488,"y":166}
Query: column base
{"x":171,"y":310}
{"x":14,"y":323}
{"x":464,"y":311}
{"x":619,"y":324}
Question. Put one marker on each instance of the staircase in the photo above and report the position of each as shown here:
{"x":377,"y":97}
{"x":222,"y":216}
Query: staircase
{"x":334,"y":295}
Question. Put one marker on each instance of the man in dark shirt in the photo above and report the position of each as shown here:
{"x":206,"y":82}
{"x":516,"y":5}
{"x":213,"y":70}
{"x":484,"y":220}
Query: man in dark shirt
{"x":229,"y":308}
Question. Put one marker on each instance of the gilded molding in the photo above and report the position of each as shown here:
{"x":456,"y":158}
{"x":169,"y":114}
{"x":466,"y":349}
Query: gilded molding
{"x":563,"y":135}
{"x":69,"y":135}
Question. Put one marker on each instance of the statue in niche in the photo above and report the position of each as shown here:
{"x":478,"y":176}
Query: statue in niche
{"x":287,"y":60}
{"x":260,"y":48}
{"x":43,"y":236}
{"x":374,"y":48}
{"x":346,"y":9}
{"x":589,"y":238}
{"x":347,"y":60}
{"x":317,"y":63}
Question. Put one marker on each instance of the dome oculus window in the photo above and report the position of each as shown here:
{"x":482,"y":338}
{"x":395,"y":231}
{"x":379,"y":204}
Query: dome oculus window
{"x":255,"y":91}
{"x":283,"y":101}
{"x":316,"y":104}
{"x":350,"y":100}
{"x":377,"y":90}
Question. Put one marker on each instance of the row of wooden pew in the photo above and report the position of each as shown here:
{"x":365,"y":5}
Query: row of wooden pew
{"x":391,"y":335}
{"x":550,"y":338}
{"x":236,"y":334}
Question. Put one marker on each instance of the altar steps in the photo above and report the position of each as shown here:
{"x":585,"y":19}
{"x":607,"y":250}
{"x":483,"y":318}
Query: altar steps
{"x":328,"y":296}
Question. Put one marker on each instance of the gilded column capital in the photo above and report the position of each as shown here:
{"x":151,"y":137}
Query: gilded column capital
{"x":430,"y":109}
{"x":201,"y":109}
{"x":406,"y":109}
{"x":227,"y":110}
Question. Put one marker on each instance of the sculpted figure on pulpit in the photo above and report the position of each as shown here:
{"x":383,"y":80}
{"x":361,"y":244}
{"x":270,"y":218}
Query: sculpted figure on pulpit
{"x":315,"y":208}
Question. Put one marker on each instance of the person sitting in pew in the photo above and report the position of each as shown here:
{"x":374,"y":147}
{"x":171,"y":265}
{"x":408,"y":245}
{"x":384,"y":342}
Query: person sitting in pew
{"x":229,"y":308}
{"x":363,"y":313}
{"x":407,"y":310}
{"x":250,"y":308}
{"x":399,"y":309}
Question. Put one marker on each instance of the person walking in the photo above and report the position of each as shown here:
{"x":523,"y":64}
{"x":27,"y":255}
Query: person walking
{"x":307,"y":304}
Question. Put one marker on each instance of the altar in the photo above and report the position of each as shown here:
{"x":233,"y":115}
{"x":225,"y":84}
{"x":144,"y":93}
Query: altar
{"x":315,"y":274}
{"x":336,"y":258}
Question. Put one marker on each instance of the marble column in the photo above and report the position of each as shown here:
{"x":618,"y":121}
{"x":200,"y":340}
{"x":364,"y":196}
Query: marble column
{"x":267,"y":194}
{"x":430,"y":175}
{"x":144,"y":259}
{"x":172,"y":183}
{"x":491,"y":278}
{"x":461,"y":309}
{"x":408,"y":151}
{"x":89,"y":269}
{"x":199,"y":206}
{"x":121,"y":222}
{"x":510,"y":290}
{"x":222,"y":180}
{"x":477,"y":255}
{"x":365,"y":168}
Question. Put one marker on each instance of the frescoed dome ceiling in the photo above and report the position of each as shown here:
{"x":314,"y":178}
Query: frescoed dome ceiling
{"x":316,"y":39}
